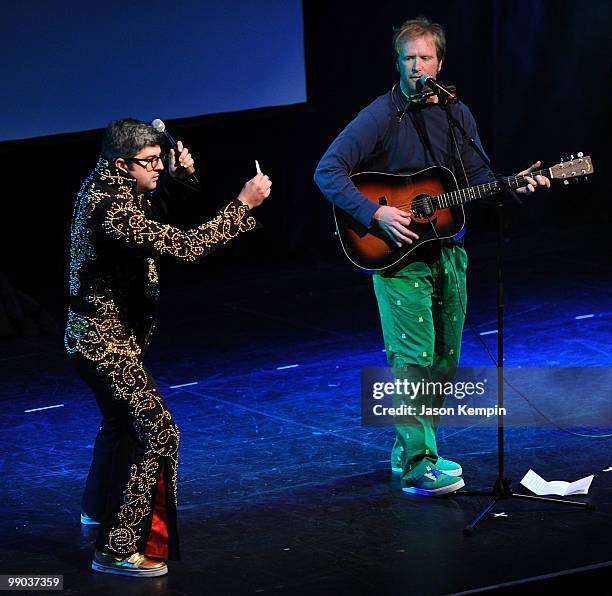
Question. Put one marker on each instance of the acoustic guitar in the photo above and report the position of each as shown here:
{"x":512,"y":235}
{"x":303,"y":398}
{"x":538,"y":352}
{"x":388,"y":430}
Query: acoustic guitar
{"x":436,"y":203}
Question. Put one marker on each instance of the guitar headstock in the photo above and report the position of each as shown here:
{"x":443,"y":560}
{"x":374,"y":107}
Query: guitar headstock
{"x":572,"y":167}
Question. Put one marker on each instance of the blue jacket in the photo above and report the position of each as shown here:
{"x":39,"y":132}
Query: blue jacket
{"x":378,"y":141}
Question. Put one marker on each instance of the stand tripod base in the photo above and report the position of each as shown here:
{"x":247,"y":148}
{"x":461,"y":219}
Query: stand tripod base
{"x":503,"y":490}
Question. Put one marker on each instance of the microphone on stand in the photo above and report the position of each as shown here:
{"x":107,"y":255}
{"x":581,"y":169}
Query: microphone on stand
{"x":159,"y":126}
{"x":442,"y":92}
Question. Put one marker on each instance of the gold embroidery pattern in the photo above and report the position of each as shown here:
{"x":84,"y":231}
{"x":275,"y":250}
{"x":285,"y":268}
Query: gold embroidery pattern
{"x":126,"y":221}
{"x":104,"y":340}
{"x":152,"y":283}
{"x":97,"y":330}
{"x":123,"y":537}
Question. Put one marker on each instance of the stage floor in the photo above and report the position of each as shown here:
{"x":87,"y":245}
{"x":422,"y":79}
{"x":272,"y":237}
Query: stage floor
{"x":281,"y":489}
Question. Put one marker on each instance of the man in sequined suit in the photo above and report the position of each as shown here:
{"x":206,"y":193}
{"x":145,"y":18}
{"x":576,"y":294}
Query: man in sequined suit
{"x":115,"y":242}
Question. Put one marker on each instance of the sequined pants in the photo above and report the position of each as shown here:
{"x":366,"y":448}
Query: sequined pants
{"x":131,"y":486}
{"x":422,"y":315}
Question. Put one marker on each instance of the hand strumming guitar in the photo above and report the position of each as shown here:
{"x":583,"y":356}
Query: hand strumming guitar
{"x":395,"y":223}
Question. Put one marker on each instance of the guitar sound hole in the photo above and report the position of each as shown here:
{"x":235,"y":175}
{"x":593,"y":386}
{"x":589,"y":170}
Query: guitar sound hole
{"x":422,"y":207}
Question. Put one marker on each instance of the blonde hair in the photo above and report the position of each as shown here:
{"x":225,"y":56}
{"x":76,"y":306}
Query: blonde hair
{"x":415,"y":28}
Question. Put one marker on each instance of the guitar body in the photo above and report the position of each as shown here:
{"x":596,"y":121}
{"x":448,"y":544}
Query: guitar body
{"x":369,"y":247}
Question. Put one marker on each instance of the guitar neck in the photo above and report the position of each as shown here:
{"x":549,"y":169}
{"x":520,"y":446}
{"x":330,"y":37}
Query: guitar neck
{"x":465,"y":195}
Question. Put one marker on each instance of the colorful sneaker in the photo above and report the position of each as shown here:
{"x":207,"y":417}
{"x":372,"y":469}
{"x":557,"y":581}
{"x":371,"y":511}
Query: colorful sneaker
{"x":434,"y":483}
{"x":136,"y":565}
{"x":448,"y":467}
{"x":88,"y":521}
{"x":444,"y":465}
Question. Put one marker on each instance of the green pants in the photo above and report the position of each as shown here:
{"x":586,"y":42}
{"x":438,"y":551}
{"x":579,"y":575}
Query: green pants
{"x":422,"y":315}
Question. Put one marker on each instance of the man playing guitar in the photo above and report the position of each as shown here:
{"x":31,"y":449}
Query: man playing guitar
{"x":422,"y":300}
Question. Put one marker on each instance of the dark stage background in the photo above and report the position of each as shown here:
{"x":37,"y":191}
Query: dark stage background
{"x":535,"y":74}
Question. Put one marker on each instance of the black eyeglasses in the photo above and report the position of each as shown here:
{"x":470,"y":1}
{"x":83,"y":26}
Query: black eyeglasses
{"x":149,"y":163}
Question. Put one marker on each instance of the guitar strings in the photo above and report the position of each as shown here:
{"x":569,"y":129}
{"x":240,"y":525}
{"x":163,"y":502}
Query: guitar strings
{"x":421,"y":202}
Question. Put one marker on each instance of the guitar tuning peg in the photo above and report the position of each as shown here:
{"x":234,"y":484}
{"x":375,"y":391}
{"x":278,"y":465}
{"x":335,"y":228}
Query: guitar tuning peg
{"x":566,"y":182}
{"x":571,"y":156}
{"x":580,"y":154}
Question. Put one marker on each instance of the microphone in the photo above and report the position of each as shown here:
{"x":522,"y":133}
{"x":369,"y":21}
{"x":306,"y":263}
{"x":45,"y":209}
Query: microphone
{"x":159,"y":126}
{"x":443,"y":93}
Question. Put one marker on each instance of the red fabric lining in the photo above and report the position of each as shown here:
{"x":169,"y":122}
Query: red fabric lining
{"x":157,"y":544}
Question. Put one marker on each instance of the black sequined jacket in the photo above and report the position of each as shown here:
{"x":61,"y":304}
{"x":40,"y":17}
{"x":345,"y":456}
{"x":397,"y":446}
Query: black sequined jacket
{"x":114,"y":247}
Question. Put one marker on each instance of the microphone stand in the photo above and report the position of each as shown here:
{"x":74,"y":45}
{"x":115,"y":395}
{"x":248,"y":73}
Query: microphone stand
{"x":502,"y":488}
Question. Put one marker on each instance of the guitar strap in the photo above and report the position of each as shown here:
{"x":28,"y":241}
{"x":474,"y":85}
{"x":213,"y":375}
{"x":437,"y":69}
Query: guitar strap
{"x":460,"y":237}
{"x":457,"y":152}
{"x":416,"y":115}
